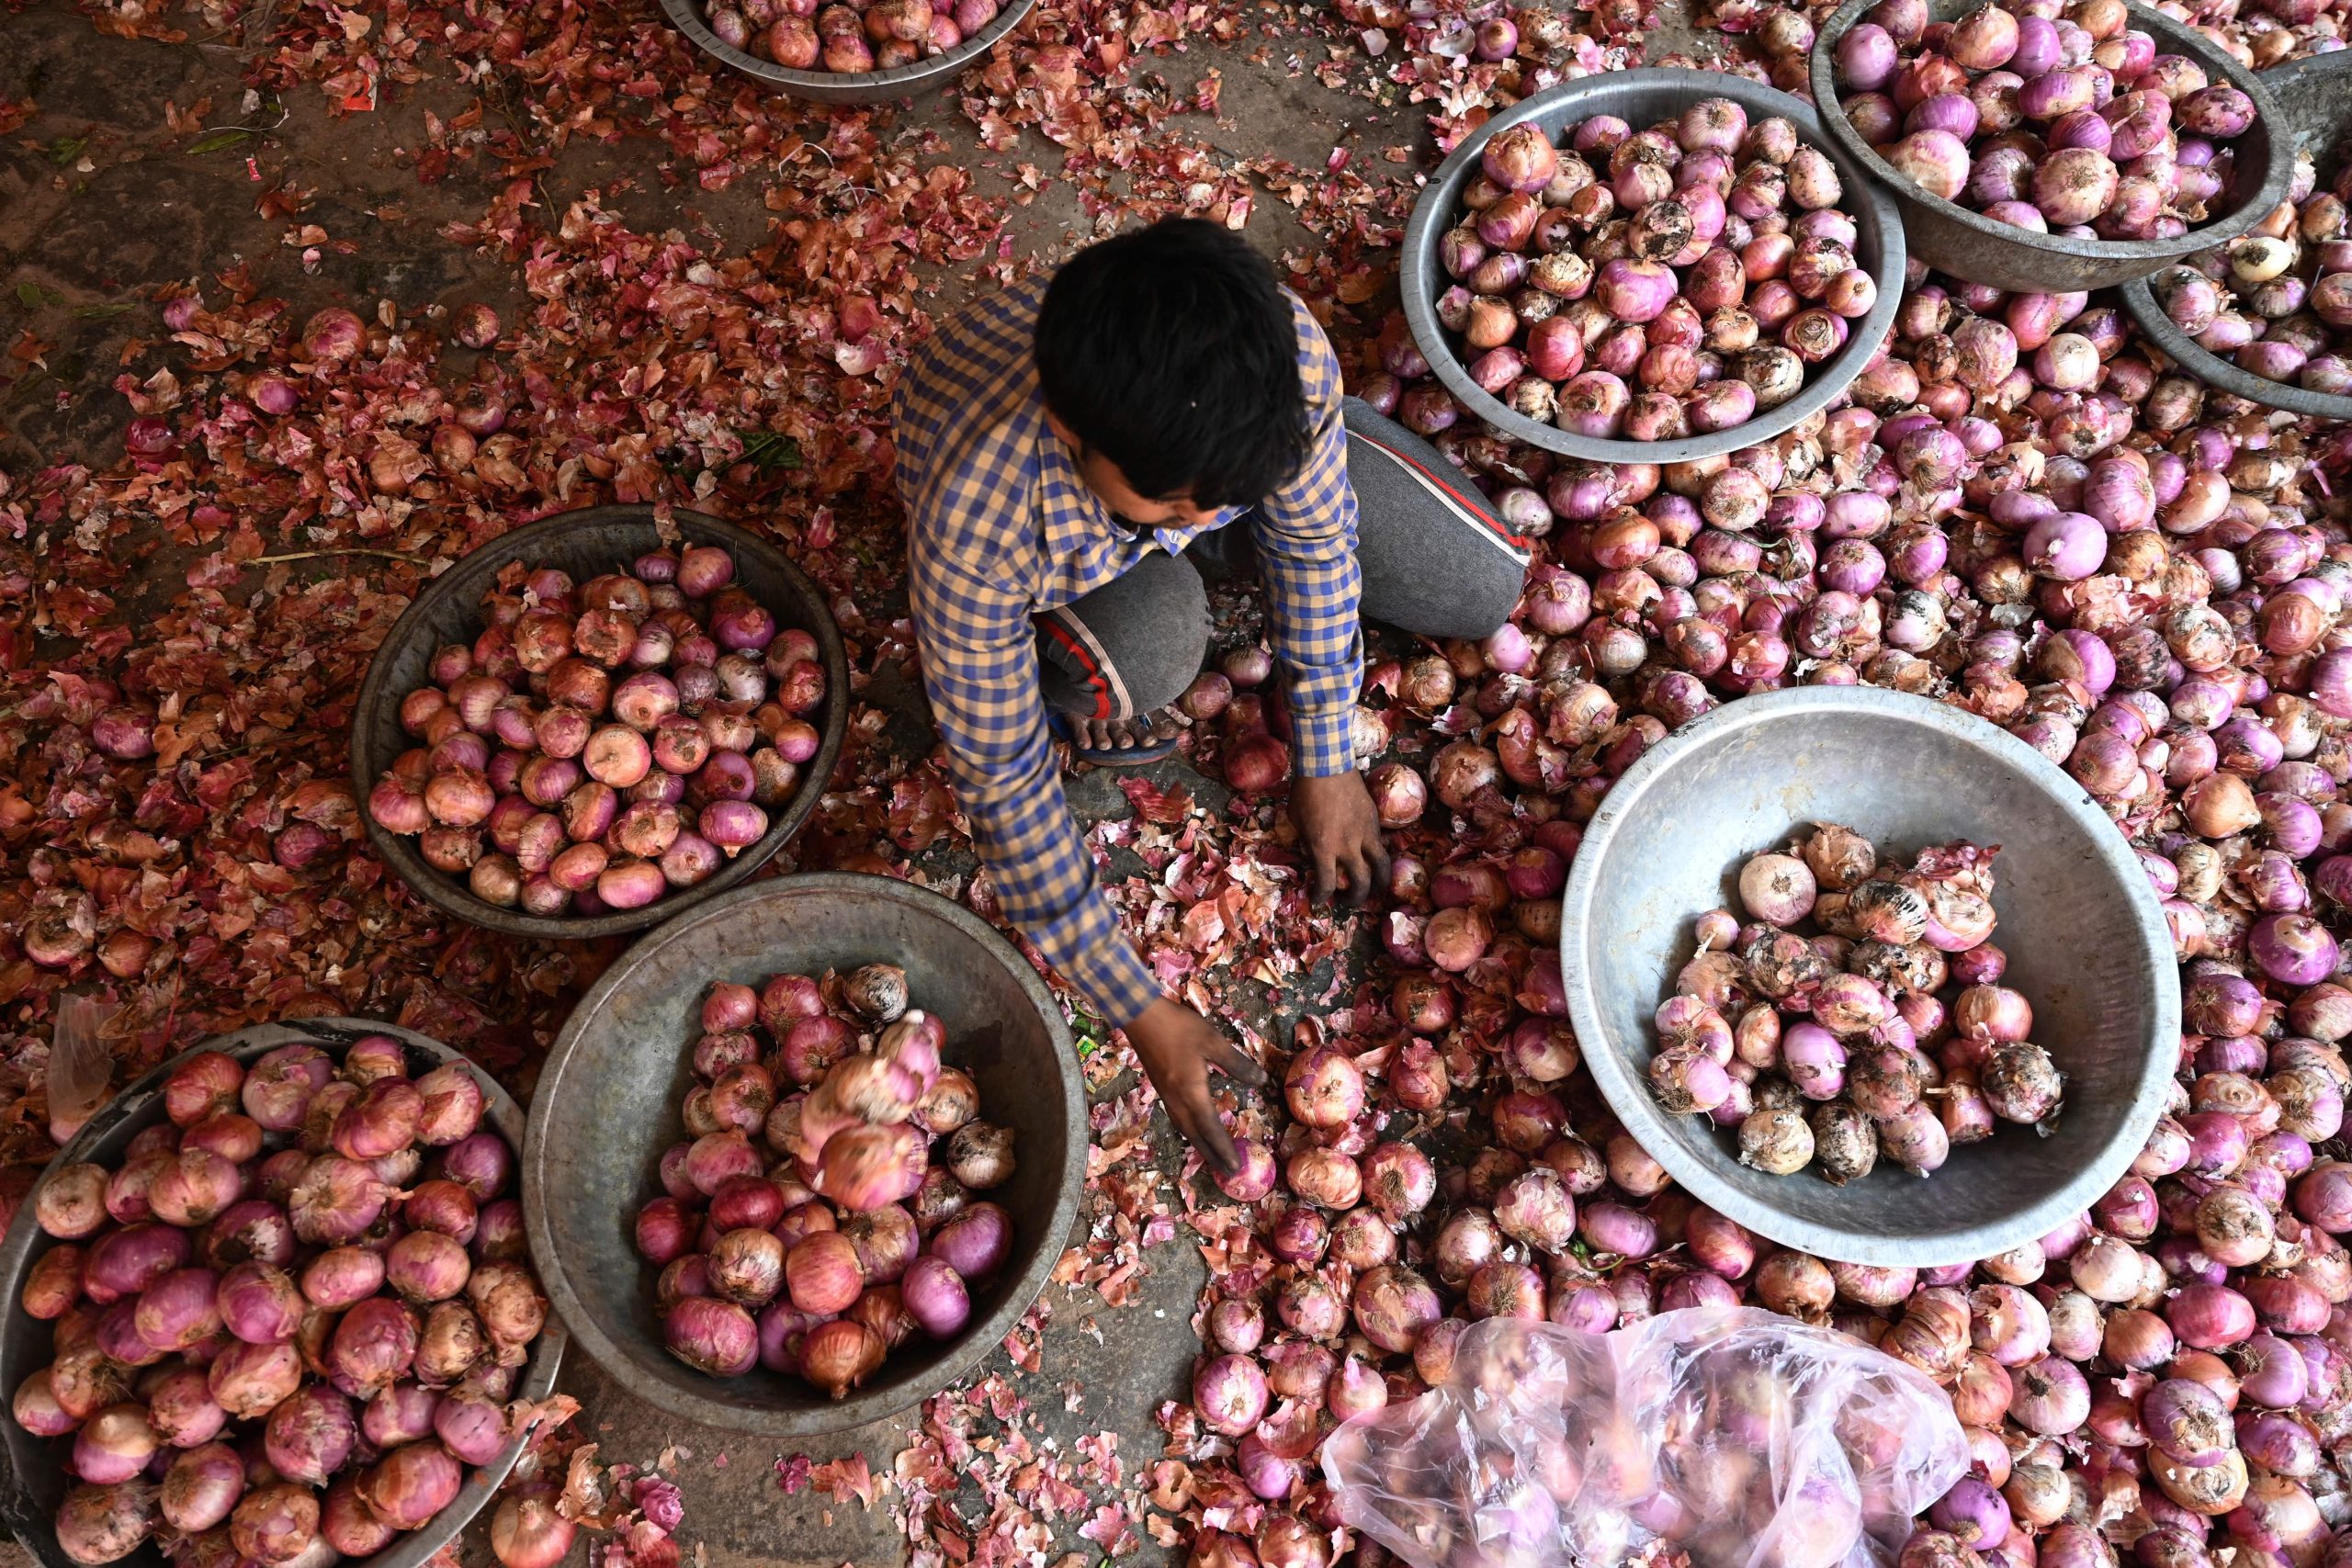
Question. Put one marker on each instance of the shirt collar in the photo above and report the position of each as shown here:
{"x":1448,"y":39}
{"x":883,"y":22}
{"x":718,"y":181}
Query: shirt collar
{"x":1069,"y":513}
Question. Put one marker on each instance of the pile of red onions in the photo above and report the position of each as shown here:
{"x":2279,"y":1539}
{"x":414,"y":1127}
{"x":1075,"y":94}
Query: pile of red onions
{"x":290,"y":1320}
{"x":2277,"y":301}
{"x":2021,"y":512}
{"x":826,"y":1184}
{"x":2060,"y":120}
{"x":602,"y":743}
{"x":1646,"y":285}
{"x":869,"y":35}
{"x":1813,"y":1047}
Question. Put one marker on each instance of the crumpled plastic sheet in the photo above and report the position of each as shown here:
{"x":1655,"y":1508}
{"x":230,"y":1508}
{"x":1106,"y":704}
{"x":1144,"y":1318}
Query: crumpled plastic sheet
{"x":1742,"y":1438}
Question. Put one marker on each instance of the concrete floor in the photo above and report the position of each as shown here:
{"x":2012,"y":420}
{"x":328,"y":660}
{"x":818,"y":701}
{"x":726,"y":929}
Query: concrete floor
{"x":127,"y":177}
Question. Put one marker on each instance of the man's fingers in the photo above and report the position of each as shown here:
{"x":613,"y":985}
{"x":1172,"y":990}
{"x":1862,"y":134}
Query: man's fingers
{"x":1326,"y":875}
{"x":1359,"y":877}
{"x":1237,"y":1063}
{"x":1379,"y":867}
{"x":1209,"y":1136}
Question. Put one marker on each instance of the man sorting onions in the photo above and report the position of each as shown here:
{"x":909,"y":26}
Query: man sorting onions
{"x":1071,"y":454}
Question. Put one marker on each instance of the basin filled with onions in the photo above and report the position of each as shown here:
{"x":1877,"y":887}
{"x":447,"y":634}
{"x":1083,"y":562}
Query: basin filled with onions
{"x":1645,"y":266}
{"x":598,"y":718}
{"x":1850,"y":1008}
{"x":860,"y":51}
{"x":275,"y":1304}
{"x":2269,"y":316}
{"x":2056,"y":152}
{"x":806,"y":1154}
{"x":1923,"y":1043}
{"x":855,"y":1220}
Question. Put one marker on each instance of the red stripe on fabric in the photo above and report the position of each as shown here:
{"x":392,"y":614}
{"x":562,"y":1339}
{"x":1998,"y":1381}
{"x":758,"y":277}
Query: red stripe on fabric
{"x":1494,"y":524}
{"x":1076,"y":650}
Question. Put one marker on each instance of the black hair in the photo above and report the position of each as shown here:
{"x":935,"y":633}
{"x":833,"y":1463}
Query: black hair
{"x":1172,"y":352}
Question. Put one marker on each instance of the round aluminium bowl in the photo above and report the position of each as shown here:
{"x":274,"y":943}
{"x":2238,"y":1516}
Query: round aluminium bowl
{"x":2315,"y":96}
{"x":1951,"y":239}
{"x":2085,"y":940}
{"x":607,"y":1106}
{"x":585,"y":543}
{"x":36,"y":1480}
{"x":1642,"y":98}
{"x":846,"y":86}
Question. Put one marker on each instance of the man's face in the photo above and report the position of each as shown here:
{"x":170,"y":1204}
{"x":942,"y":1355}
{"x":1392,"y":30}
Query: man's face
{"x":1103,"y":478}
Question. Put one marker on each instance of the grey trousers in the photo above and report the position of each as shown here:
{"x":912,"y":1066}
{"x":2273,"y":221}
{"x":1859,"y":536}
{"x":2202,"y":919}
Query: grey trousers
{"x":1436,"y":559}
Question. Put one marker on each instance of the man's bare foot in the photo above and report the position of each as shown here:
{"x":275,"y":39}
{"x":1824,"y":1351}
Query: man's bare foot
{"x":1127,"y":734}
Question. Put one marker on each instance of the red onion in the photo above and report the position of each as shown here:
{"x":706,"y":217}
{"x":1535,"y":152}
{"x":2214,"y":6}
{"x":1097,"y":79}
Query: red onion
{"x":201,"y":1487}
{"x":839,"y":1355}
{"x":935,"y":1296}
{"x":975,"y":1243}
{"x":529,"y":1531}
{"x":37,"y":1410}
{"x":411,"y":1484}
{"x":125,"y":1262}
{"x":337,"y":1200}
{"x":311,"y":1435}
{"x":471,"y":1428}
{"x":2051,"y":1396}
{"x":259,"y":1303}
{"x":822,"y":1273}
{"x":115,"y":1445}
{"x":712,"y":1335}
{"x":102,"y":1524}
{"x":181,"y":1409}
{"x":2209,"y":1317}
{"x":205,"y":1085}
{"x":193,"y":1187}
{"x":1230,"y":1393}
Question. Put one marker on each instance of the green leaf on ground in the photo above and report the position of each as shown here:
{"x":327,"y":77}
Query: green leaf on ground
{"x":218,"y":140}
{"x":65,"y":149}
{"x":98,"y":312}
{"x":32,"y":296}
{"x":767,"y":450}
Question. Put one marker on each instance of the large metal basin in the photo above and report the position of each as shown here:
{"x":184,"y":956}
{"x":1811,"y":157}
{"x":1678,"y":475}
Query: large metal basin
{"x":607,"y":1105}
{"x":902,"y":82}
{"x":2315,"y":97}
{"x":36,"y":1481}
{"x":1952,"y":239}
{"x":585,"y":543}
{"x":2087,"y":942}
{"x":1641,"y":98}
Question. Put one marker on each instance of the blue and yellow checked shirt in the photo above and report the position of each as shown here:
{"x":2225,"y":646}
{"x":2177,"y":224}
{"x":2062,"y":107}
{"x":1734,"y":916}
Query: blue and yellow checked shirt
{"x":1001,"y":528}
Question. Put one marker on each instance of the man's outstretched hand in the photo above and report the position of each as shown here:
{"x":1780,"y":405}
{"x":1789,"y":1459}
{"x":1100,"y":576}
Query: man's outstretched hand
{"x":1341,"y":832}
{"x":1177,"y":1047}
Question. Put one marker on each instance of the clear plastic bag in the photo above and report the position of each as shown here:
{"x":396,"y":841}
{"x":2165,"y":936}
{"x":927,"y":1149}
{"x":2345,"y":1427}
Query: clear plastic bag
{"x":81,"y":1066}
{"x":1742,"y":1438}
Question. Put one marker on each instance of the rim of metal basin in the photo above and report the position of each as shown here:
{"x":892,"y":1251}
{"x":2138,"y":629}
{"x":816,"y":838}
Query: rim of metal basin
{"x":1949,"y":238}
{"x":1635,"y":93}
{"x":142,"y":1105}
{"x":2312,"y":100}
{"x":749,"y":1404}
{"x":456,"y":595}
{"x":846,"y":86}
{"x":1614,"y":1060}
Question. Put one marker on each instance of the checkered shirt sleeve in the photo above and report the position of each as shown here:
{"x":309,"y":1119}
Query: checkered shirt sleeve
{"x":1306,"y":549}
